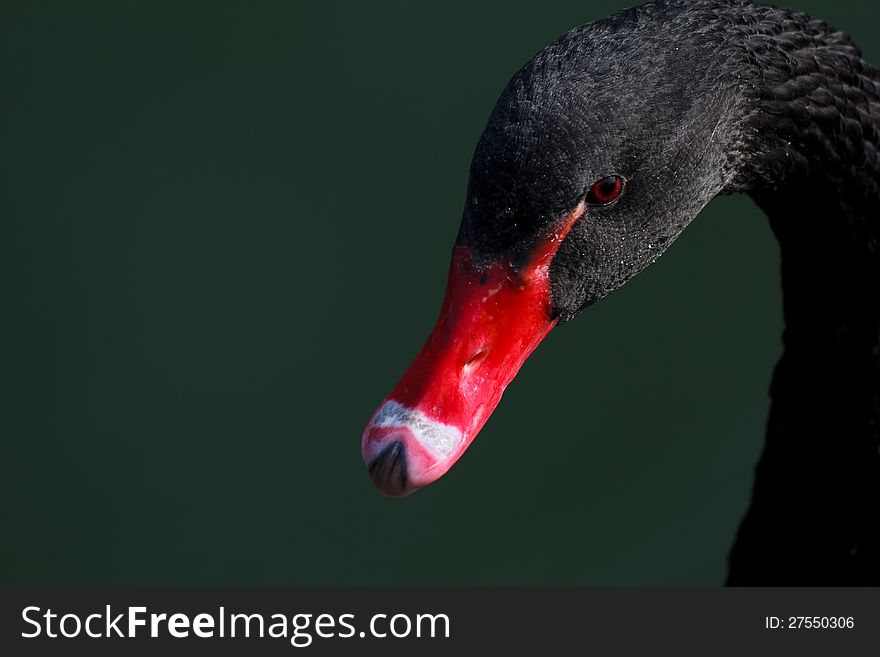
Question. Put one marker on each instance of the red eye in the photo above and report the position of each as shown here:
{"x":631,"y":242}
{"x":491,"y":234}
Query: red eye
{"x":605,"y":190}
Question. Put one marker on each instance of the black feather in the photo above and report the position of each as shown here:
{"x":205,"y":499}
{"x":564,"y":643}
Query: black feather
{"x":688,"y":100}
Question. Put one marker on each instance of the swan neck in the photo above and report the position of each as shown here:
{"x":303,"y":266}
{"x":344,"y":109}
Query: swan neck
{"x":812,"y":137}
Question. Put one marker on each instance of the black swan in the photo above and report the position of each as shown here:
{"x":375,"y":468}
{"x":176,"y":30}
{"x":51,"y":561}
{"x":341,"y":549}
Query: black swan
{"x":600,"y":151}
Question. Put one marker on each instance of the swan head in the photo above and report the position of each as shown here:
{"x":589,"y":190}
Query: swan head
{"x":599,"y":105}
{"x":598,"y":153}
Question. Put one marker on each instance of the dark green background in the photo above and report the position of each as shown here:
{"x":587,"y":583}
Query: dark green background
{"x":224,"y":233}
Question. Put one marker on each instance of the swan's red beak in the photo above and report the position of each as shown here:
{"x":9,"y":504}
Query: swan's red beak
{"x":491,"y":321}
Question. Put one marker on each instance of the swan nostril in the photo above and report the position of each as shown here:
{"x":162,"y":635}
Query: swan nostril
{"x":476,"y":357}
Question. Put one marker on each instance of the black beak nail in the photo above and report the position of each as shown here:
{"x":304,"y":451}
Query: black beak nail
{"x":388,"y":470}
